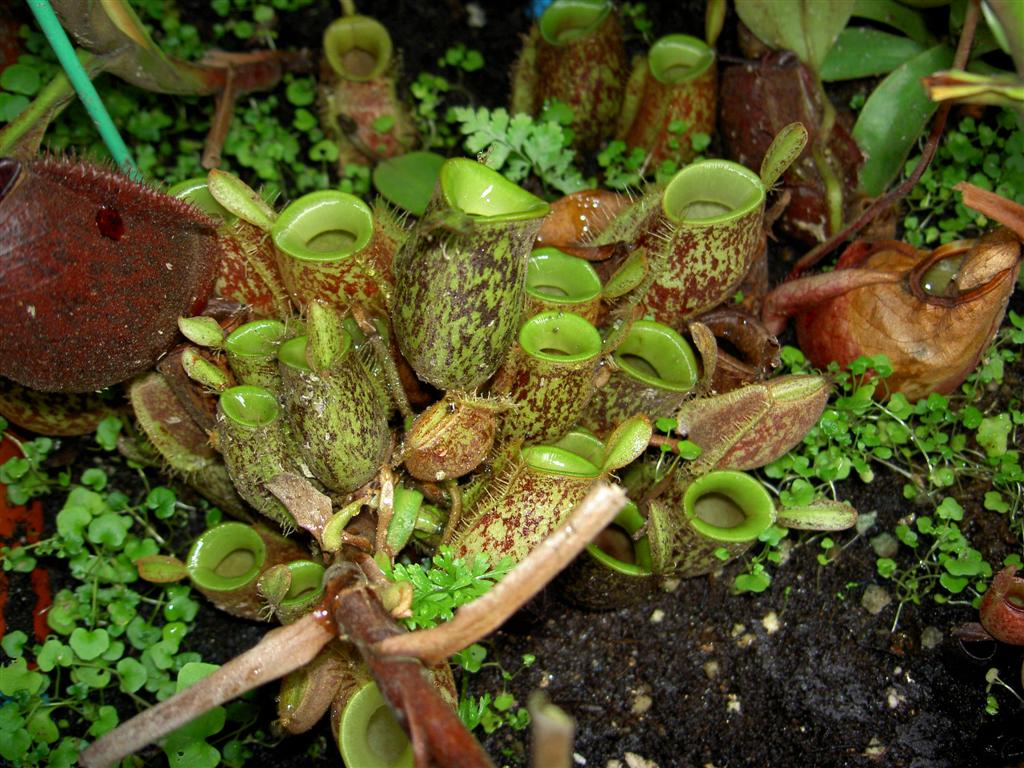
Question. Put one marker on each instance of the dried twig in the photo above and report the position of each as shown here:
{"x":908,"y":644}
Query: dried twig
{"x":385,"y":510}
{"x":552,"y":732}
{"x":280,"y":651}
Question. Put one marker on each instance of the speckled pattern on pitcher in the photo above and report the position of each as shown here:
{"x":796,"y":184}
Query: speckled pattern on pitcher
{"x":519,"y":508}
{"x":339,"y":420}
{"x":698,"y":265}
{"x":458,"y":298}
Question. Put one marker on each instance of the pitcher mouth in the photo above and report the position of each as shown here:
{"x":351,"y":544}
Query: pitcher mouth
{"x":656,"y":355}
{"x":323,"y":226}
{"x":249,"y":406}
{"x":677,"y":59}
{"x":729,"y":506}
{"x":257,"y":338}
{"x":626,"y":523}
{"x":226,"y":557}
{"x":712,"y":192}
{"x":357,"y":47}
{"x":554,"y":276}
{"x":560,"y":337}
{"x":566,"y":21}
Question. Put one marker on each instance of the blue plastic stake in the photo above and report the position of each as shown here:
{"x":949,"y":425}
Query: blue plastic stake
{"x":58,"y":39}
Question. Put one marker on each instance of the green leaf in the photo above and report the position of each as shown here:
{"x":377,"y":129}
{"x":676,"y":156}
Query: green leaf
{"x":384,"y":123}
{"x":42,"y":728}
{"x":504,"y":701}
{"x":665,"y":424}
{"x":898,"y":16}
{"x":161,"y":654}
{"x":72,"y":522}
{"x":262,"y":14}
{"x":94,"y":478}
{"x":107,"y":432}
{"x":114,"y":652}
{"x":887,"y":142}
{"x":11,"y":105}
{"x":106,"y":720}
{"x":471,"y":658}
{"x":473,"y":60}
{"x":304,"y":120}
{"x":11,"y":717}
{"x":866,"y":52}
{"x":16,"y":676}
{"x":953,"y":584}
{"x":66,"y":753}
{"x":14,"y":643}
{"x":807,"y":27}
{"x":995,"y":502}
{"x":140,"y":634}
{"x":14,"y":746}
{"x":752,"y":582}
{"x":89,"y":644}
{"x":324,"y":151}
{"x":967,"y":563}
{"x":180,"y":606}
{"x":88,"y":500}
{"x":20,"y":78}
{"x":184,"y":744}
{"x":162,"y":501}
{"x":950,"y":509}
{"x":14,"y":469}
{"x":132,"y":674}
{"x":993,"y":434}
{"x":408,"y":180}
{"x":109,"y":529}
{"x":185,"y":752}
{"x":54,"y":653}
{"x":63,"y":613}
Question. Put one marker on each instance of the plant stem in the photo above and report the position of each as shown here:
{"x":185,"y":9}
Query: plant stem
{"x":280,"y":651}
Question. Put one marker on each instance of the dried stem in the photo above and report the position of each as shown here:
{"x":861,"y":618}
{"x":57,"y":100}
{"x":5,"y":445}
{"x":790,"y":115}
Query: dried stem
{"x":552,"y":732}
{"x":889,"y":199}
{"x":385,"y":510}
{"x":484,"y":615}
{"x":280,"y":651}
{"x":1005,"y":211}
{"x":224,"y":107}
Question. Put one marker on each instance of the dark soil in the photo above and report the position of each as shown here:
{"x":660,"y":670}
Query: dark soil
{"x":799,"y":675}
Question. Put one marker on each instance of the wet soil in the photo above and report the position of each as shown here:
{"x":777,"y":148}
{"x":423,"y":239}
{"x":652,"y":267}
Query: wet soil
{"x":801,"y":674}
